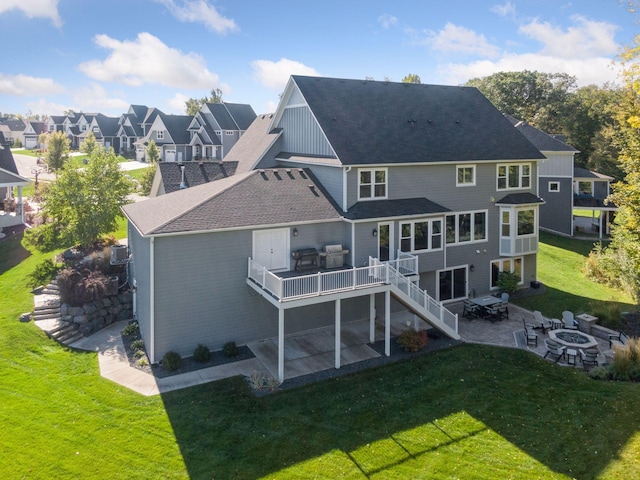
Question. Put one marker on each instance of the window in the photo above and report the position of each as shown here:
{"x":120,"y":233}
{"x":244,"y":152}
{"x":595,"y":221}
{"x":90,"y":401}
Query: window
{"x":160,"y":134}
{"x":526,"y":222}
{"x":465,"y":176}
{"x":228,"y":132}
{"x":514,"y":175}
{"x":466,"y":227}
{"x":554,"y":186}
{"x":96,"y":129}
{"x":585,"y":188}
{"x":372,"y":183}
{"x":52,"y":128}
{"x":421,"y":235}
{"x":512,"y":265}
{"x":505,"y":230}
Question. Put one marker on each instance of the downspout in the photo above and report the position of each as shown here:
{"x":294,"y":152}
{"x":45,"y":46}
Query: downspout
{"x":345,"y":170}
{"x":152,"y":321}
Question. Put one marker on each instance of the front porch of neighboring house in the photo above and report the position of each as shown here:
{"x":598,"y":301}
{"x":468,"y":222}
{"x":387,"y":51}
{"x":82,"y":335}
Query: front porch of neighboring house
{"x":11,"y":208}
{"x":286,"y":290}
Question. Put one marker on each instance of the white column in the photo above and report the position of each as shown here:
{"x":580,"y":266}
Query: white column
{"x":19,"y":206}
{"x":372,"y":318}
{"x":387,"y":323}
{"x":338,"y":333}
{"x":281,"y":345}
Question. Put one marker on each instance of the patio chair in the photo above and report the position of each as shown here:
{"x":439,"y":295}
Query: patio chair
{"x":492,"y":313}
{"x":589,"y":357}
{"x":569,"y":321}
{"x":530,"y":334}
{"x":504,"y":297}
{"x":540,"y":322}
{"x":503,"y":310}
{"x":618,"y":339}
{"x":470,"y":309}
{"x":554,"y":349}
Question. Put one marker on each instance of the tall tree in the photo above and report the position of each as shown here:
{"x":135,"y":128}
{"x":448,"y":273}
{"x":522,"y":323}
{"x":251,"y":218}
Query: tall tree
{"x":153,"y":154}
{"x":84,"y":204}
{"x":412,"y":78}
{"x":193,"y":105}
{"x":540,"y":99}
{"x":57,"y":150}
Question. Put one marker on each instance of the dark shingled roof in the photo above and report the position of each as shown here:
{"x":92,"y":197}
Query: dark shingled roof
{"x":259,"y":197}
{"x":7,"y":162}
{"x":519,"y":199}
{"x":543,"y":141}
{"x":242,"y":114}
{"x":384,"y":122}
{"x":108,"y":125}
{"x":195,"y":173}
{"x":177,"y":127}
{"x":584,"y":173}
{"x":255,"y":142}
{"x":393,"y":208}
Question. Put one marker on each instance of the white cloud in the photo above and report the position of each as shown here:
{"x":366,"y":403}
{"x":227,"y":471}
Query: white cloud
{"x":34,"y":9}
{"x":147,"y":60}
{"x":596,"y":70}
{"x":506,"y":10}
{"x":455,"y":39}
{"x":200,"y":11}
{"x":275,"y":74}
{"x":387,"y":21}
{"x":95,"y":98}
{"x":177,"y":103}
{"x":24,"y":85}
{"x":585,"y":39}
{"x":45,"y":107}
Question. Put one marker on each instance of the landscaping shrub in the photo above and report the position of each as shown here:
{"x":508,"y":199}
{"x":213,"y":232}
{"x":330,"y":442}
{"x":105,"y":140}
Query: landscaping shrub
{"x":130,"y":330}
{"x":45,"y":238}
{"x":626,"y":361}
{"x":43,"y":273}
{"x":137,"y":344}
{"x":412,"y":340}
{"x":80,"y":287}
{"x":230,"y":350}
{"x":202,"y":354}
{"x":171,"y":361}
{"x":508,"y":282}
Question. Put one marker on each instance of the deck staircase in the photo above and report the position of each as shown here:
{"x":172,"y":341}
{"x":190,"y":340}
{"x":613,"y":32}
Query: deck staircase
{"x":47,"y":316}
{"x":418,"y":300}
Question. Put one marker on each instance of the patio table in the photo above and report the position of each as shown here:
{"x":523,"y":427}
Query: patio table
{"x":486,"y":301}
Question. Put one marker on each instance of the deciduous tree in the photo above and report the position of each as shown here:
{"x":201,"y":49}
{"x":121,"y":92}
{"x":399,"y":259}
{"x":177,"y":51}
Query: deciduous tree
{"x":193,"y":105}
{"x":57,"y":150}
{"x":89,"y":144}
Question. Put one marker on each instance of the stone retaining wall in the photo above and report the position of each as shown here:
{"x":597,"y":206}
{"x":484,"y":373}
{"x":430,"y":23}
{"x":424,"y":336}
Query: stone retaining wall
{"x":93,"y":316}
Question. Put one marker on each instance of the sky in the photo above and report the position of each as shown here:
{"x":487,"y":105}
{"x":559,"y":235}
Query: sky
{"x":100,"y":57}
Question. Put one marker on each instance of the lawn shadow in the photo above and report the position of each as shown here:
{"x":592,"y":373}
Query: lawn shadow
{"x":507,"y":409}
{"x":12,"y":253}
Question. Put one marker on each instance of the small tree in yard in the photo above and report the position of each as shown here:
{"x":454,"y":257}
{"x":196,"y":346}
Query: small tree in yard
{"x":90,"y":145}
{"x":153,"y":154}
{"x":85,"y":204}
{"x":57,"y":150}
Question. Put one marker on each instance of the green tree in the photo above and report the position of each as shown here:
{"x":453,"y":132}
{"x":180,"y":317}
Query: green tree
{"x":412,"y":78}
{"x":153,"y":154}
{"x":57,"y":150}
{"x":193,"y":105}
{"x":84,"y":204}
{"x":89,"y":144}
{"x":540,"y":99}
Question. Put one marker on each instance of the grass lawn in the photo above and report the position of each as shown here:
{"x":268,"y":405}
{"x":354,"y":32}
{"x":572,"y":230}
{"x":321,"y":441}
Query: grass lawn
{"x":467,"y":412}
{"x":559,"y":267}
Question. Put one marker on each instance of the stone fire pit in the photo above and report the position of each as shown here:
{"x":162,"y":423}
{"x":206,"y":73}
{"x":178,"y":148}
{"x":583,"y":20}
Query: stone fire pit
{"x":573,"y":338}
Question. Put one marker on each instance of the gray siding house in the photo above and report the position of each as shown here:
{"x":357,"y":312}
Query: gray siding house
{"x":426,"y":192}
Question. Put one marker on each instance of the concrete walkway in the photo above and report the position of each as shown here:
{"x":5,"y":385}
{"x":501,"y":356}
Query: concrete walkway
{"x":114,"y":365}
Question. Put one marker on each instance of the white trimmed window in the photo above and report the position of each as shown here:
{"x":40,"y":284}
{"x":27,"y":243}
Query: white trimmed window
{"x":554,"y":186}
{"x":466,"y":227}
{"x":160,"y":134}
{"x":465,"y":175}
{"x":372,"y":183}
{"x":518,"y":230}
{"x":421,"y":235}
{"x":511,"y":265}
{"x":513,"y":176}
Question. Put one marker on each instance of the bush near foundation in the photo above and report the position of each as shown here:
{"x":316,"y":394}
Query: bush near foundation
{"x":412,"y":340}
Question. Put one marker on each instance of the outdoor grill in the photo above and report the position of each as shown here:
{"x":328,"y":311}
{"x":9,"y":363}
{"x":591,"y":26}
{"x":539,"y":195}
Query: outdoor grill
{"x":334,"y":256}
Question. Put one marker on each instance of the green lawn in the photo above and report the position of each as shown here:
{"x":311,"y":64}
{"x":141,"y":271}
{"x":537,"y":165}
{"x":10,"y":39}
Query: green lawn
{"x":467,"y":412}
{"x":559,"y":267}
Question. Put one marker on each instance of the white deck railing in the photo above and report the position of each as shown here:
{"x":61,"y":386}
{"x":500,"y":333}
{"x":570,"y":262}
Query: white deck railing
{"x":416,"y":295}
{"x":405,"y":263}
{"x":313,"y":285}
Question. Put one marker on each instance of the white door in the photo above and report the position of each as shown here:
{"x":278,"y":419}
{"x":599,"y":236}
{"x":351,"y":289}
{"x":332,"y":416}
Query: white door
{"x":170,"y":156}
{"x":271,"y":248}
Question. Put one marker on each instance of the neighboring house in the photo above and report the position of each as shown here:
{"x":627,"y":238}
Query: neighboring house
{"x":172,"y":176}
{"x":12,"y":129}
{"x":105,"y":129}
{"x":32,"y":131}
{"x":566,"y":188}
{"x":228,"y":121}
{"x":11,"y":208}
{"x":55,"y":123}
{"x":131,"y":127}
{"x":171,"y":135}
{"x":428,"y":191}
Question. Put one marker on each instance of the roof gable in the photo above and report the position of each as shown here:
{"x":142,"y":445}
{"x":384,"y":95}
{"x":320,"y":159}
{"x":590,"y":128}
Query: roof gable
{"x":195,"y":173}
{"x":384,"y":122}
{"x":541,"y":140}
